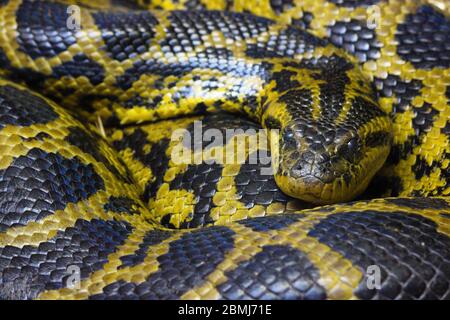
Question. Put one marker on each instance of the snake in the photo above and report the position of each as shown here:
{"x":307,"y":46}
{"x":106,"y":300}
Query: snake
{"x":344,"y":195}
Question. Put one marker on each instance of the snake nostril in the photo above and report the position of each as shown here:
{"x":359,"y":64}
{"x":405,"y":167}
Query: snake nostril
{"x":296,"y":169}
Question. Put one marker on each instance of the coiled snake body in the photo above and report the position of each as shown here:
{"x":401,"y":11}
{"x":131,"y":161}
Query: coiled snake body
{"x":344,"y":98}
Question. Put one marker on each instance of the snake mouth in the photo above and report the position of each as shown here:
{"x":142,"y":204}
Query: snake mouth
{"x":312,"y":189}
{"x":320,"y":179}
{"x":324,"y":182}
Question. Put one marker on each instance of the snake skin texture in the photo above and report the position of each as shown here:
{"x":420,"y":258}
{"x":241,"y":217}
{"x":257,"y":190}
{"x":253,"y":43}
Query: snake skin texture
{"x":85,"y":185}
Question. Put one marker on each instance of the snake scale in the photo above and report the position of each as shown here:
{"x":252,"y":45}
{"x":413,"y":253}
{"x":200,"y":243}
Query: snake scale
{"x":88,"y":179}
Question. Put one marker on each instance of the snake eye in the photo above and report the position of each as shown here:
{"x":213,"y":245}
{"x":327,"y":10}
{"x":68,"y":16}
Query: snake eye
{"x":288,"y":138}
{"x":353,"y":144}
{"x":288,"y":134}
{"x":350,"y":149}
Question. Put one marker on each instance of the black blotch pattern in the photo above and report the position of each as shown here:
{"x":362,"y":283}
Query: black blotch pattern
{"x":196,"y":5}
{"x":200,"y":108}
{"x":21,"y":108}
{"x":37,"y":184}
{"x":121,"y":204}
{"x":125,"y":4}
{"x":402,"y":151}
{"x":275,"y":222}
{"x":88,"y":143}
{"x":156,"y":159}
{"x":333,"y":74}
{"x":189,"y":260}
{"x":80,"y":66}
{"x":277,"y":272}
{"x":151,"y":238}
{"x":404,"y":91}
{"x":376,"y":139}
{"x":85,"y":141}
{"x":126,"y":35}
{"x":299,"y":103}
{"x":42,"y":29}
{"x":40,"y":137}
{"x":355,"y":38}
{"x":158,"y":162}
{"x":304,"y":22}
{"x":446,"y":129}
{"x":212,"y":58}
{"x":424,"y":39}
{"x":382,"y":186}
{"x":272,"y":123}
{"x":444,"y":176}
{"x":256,"y":188}
{"x":447,"y":94}
{"x":4,"y":62}
{"x":424,"y":118}
{"x":421,"y":203}
{"x":87,"y":101}
{"x":355,"y":3}
{"x":421,"y":168}
{"x":137,"y":100}
{"x":45,"y":267}
{"x":250,"y":103}
{"x":327,"y":64}
{"x":3,"y":3}
{"x":414,"y":258}
{"x":287,"y":43}
{"x":280,"y":6}
{"x":218,"y":121}
{"x":187,"y":28}
{"x":30,"y":77}
{"x":284,"y":82}
{"x":362,"y":111}
{"x":202,"y":180}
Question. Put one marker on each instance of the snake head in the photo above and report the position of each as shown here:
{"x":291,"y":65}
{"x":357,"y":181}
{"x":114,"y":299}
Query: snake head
{"x":326,"y":162}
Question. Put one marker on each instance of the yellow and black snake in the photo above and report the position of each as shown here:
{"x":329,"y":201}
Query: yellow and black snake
{"x":347,"y":90}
